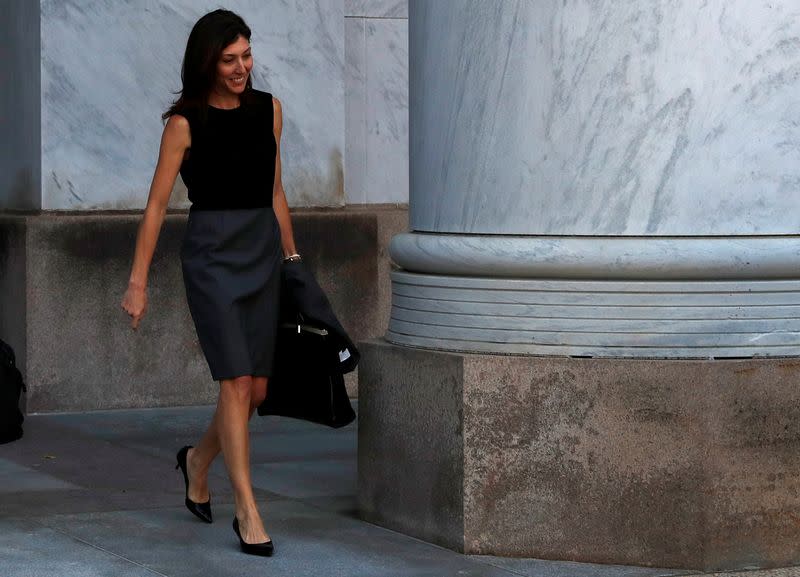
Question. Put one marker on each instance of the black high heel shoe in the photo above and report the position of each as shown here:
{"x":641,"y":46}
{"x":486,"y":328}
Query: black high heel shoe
{"x":264,"y":549}
{"x":202,"y":510}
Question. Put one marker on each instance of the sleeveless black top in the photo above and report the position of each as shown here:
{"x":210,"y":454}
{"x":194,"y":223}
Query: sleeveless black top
{"x":231,"y":163}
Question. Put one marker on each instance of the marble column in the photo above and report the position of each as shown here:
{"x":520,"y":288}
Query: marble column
{"x":604,"y":235}
{"x":602,"y":179}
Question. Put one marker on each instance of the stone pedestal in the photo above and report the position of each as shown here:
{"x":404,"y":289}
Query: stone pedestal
{"x":688,"y":464}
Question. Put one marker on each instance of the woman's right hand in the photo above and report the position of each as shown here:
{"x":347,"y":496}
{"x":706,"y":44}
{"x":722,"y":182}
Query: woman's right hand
{"x":135,"y":303}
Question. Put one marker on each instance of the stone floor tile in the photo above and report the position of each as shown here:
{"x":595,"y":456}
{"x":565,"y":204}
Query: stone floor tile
{"x":785,"y":572}
{"x":302,"y":479}
{"x":301,"y":445}
{"x":28,"y":549}
{"x":135,"y":424}
{"x":14,"y":478}
{"x":345,"y":505}
{"x":308,"y":542}
{"x":543,"y":568}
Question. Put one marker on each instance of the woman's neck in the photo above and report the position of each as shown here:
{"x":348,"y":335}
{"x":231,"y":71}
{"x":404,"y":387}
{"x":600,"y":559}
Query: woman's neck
{"x":227,"y":101}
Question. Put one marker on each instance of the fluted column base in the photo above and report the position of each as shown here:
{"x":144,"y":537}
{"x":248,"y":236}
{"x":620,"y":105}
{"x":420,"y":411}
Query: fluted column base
{"x":681,"y":297}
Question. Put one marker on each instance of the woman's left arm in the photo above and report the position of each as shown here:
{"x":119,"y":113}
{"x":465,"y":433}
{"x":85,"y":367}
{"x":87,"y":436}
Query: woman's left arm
{"x":279,"y":204}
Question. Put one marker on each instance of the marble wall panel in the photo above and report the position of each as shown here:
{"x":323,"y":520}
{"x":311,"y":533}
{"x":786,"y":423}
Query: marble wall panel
{"x":663,"y":117}
{"x":387,"y":110}
{"x":109,"y":70}
{"x":376,"y":8}
{"x":20,"y":87}
{"x":355,"y":110}
{"x":377,"y":102}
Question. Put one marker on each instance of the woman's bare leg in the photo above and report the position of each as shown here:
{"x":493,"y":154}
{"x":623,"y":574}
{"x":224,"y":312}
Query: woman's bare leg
{"x":200,"y":457}
{"x":239,"y":398}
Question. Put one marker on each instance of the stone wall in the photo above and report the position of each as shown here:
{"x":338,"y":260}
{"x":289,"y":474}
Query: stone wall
{"x":104,"y":88}
{"x":86,"y":136}
{"x":376,"y":101}
{"x":62,"y":278}
{"x":20,"y":171}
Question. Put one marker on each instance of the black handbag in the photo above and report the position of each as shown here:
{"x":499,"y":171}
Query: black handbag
{"x":11,"y":387}
{"x":312,"y":353}
{"x":306,"y":382}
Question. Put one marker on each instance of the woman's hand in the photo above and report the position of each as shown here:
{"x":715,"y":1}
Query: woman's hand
{"x":135,"y":303}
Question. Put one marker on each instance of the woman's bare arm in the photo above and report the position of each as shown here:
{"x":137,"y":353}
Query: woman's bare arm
{"x":174,"y":142}
{"x":279,"y":204}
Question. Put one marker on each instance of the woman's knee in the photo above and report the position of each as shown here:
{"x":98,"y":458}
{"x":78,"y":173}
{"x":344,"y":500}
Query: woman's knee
{"x":259,"y":391}
{"x":240,"y":387}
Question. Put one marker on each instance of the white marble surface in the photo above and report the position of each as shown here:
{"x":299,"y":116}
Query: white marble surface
{"x":355,"y":90}
{"x":666,"y":117}
{"x":376,"y":8}
{"x":376,"y":82}
{"x":621,"y":257}
{"x":596,"y":318}
{"x":386,"y":179}
{"x":108,"y":71}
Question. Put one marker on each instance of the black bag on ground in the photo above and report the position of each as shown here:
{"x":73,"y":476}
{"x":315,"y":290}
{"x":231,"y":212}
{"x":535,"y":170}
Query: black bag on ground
{"x":11,"y":387}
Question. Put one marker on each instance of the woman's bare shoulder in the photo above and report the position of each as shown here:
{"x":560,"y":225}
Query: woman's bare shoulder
{"x":177,"y":122}
{"x":177,"y":130}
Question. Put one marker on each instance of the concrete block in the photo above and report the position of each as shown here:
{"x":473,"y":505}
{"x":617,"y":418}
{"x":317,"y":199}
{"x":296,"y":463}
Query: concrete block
{"x":82,"y":353}
{"x":62,"y":277}
{"x":410,"y":450}
{"x":685,"y":464}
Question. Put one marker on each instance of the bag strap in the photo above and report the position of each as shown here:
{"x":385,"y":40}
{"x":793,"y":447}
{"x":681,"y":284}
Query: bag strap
{"x":302,"y":327}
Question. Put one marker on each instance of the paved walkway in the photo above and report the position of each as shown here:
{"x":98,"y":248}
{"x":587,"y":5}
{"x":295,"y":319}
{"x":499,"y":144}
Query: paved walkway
{"x":96,"y":494}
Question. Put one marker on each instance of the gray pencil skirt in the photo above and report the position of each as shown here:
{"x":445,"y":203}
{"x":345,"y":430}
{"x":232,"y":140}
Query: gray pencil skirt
{"x":231,"y":263}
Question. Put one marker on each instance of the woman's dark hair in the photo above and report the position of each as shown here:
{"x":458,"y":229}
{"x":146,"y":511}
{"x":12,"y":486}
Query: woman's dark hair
{"x":208,"y":38}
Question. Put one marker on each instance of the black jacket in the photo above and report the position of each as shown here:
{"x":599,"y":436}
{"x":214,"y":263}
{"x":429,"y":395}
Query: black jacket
{"x":302,"y":299}
{"x":312,"y":352}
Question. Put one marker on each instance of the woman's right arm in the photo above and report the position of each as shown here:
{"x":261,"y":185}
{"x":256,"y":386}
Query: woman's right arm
{"x":175,"y":141}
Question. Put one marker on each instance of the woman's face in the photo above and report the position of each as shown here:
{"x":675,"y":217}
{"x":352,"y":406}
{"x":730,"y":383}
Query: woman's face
{"x":234,"y":66}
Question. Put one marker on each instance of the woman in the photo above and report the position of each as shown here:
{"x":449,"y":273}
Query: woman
{"x":224,"y":138}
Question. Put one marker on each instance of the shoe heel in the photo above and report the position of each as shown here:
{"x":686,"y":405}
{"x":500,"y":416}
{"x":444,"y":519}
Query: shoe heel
{"x":202,"y":510}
